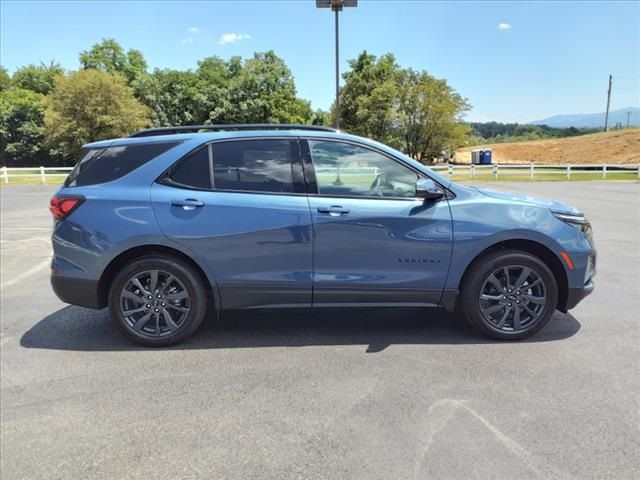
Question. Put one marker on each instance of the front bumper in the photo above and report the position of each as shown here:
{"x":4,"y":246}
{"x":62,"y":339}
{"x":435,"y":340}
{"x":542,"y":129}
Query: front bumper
{"x":575,"y":295}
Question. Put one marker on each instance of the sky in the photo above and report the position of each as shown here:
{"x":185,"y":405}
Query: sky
{"x":514,"y":61}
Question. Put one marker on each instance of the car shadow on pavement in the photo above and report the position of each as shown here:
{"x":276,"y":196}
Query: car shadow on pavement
{"x":76,"y":328}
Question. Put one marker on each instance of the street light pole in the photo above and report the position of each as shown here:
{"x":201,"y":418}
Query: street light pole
{"x":337,"y":12}
{"x":337,"y":6}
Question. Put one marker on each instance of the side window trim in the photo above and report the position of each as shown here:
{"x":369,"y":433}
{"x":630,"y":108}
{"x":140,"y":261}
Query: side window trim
{"x":212,"y":181}
{"x":309,"y":170}
{"x":307,"y":167}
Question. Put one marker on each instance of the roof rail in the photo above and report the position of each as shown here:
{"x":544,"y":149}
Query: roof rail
{"x":232,"y":127}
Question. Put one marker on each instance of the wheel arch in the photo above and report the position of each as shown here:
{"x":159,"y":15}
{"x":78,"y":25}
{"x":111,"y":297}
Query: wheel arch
{"x":539,"y":250}
{"x":134,"y":253}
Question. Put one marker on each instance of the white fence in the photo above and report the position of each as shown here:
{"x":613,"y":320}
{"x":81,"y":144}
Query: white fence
{"x":532,"y":170}
{"x":34,"y":172}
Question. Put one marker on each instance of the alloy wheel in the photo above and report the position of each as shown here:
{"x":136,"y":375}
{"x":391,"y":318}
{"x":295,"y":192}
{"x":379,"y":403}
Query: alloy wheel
{"x":154,"y":303}
{"x":513,"y":298}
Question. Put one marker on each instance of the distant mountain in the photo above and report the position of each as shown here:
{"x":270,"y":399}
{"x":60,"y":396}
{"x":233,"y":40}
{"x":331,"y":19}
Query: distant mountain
{"x":592,"y":120}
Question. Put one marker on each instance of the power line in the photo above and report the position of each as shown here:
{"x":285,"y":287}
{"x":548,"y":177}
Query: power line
{"x":627,"y":89}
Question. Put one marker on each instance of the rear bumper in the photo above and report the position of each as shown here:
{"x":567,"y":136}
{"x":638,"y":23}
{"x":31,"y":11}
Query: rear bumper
{"x":76,"y":291}
{"x":575,"y":295}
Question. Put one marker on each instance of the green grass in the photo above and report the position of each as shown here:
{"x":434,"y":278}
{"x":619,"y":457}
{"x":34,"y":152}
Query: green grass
{"x":30,"y":181}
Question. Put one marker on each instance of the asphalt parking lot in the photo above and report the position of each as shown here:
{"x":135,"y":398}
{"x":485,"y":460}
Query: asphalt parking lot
{"x":368,"y":394}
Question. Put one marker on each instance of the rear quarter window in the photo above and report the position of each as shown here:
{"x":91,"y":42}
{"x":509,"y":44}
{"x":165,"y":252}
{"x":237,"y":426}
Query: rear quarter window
{"x":101,"y":165}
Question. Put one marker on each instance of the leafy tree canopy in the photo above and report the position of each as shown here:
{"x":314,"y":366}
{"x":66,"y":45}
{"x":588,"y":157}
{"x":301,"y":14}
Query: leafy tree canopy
{"x":109,"y":56}
{"x":5,"y":79}
{"x":263,"y":91}
{"x":21,"y":126}
{"x":177,"y":97}
{"x":90,"y":105}
{"x":37,"y":78}
{"x":429,"y":115}
{"x":401,"y":107}
{"x":368,"y":97}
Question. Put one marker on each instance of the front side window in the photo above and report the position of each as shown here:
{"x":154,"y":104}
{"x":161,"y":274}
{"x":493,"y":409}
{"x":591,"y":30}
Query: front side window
{"x":254,"y":165}
{"x":346,"y":169}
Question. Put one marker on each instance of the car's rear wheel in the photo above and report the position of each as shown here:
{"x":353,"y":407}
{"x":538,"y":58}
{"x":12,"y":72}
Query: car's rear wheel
{"x":509,"y":295}
{"x":157,"y":301}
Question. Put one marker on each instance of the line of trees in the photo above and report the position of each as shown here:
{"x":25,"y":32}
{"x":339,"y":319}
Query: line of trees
{"x":495,"y":132}
{"x":47,"y":113}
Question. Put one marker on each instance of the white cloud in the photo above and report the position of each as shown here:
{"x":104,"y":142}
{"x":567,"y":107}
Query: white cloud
{"x":504,"y":26}
{"x":187,"y":40}
{"x":232,"y":37}
{"x":194,"y":30}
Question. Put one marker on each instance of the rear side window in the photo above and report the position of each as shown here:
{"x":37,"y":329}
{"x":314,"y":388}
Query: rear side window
{"x":192,"y":171}
{"x":254,"y":165}
{"x":101,"y":165}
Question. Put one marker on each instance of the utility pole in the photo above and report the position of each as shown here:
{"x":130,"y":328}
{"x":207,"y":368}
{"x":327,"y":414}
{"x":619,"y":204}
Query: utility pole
{"x":606,"y":115}
{"x":628,"y":116}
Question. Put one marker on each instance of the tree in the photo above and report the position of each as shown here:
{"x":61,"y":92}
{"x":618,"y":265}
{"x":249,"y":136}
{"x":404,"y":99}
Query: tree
{"x":429,"y":112}
{"x":401,"y":107}
{"x":321,"y":117}
{"x":263,"y":91}
{"x":367,"y":100}
{"x":21,"y":127}
{"x":5,"y":79}
{"x":177,"y":97}
{"x":215,"y":71}
{"x":110,"y":57}
{"x":90,"y":105}
{"x":37,"y":78}
{"x":185,"y":97}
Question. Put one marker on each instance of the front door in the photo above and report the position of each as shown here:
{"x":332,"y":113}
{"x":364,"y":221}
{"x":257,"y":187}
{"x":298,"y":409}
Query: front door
{"x":240,"y":207}
{"x":374,"y":241}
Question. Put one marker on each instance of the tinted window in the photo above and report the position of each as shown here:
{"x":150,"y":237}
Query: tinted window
{"x":347,"y":169}
{"x":254,"y":165}
{"x":193,"y":171}
{"x":100,"y":165}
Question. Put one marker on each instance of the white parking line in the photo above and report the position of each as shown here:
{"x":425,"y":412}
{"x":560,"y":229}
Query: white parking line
{"x":26,"y":274}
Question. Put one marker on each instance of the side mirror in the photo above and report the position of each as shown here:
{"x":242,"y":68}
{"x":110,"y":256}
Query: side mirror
{"x":428,"y":189}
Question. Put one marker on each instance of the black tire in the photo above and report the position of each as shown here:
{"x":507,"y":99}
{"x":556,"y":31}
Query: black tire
{"x":482,"y":302}
{"x":182,"y":296}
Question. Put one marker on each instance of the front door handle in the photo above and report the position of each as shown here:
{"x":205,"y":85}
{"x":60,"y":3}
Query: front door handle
{"x":187,"y":203}
{"x":334,"y":210}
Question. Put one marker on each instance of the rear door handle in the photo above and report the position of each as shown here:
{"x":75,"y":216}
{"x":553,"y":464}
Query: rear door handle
{"x":334,"y":210}
{"x":187,"y":203}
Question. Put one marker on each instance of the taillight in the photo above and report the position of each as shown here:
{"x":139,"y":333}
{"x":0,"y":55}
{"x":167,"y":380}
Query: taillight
{"x":62,"y":206}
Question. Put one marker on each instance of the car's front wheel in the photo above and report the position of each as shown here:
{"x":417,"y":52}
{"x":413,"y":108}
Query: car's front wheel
{"x":509,"y":295}
{"x":157,"y":301}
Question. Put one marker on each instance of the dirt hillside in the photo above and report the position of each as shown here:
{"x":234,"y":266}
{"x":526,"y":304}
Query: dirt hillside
{"x":619,"y":146}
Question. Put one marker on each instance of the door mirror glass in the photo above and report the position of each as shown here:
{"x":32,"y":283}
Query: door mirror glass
{"x":428,"y":189}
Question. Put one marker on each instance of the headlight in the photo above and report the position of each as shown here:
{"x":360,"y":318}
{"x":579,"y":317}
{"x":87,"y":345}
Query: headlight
{"x":577,"y":221}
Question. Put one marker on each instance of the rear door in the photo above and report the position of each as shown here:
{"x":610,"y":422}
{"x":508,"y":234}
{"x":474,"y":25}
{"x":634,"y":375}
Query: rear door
{"x":374,"y":241}
{"x":240,"y":206}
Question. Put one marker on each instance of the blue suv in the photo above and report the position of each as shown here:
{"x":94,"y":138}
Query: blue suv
{"x":171,"y":223}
